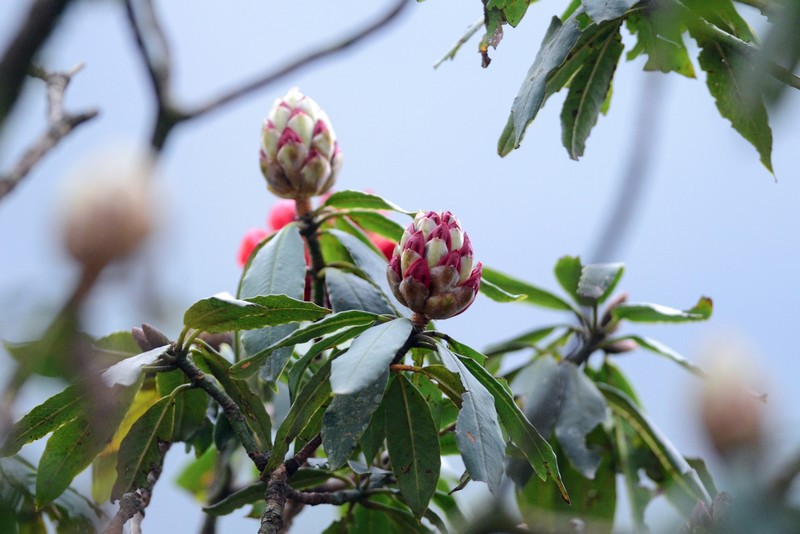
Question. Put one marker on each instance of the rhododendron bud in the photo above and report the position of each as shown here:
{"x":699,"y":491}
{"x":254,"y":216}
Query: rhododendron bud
{"x":299,"y":154}
{"x":250,"y":241}
{"x":432,"y":270}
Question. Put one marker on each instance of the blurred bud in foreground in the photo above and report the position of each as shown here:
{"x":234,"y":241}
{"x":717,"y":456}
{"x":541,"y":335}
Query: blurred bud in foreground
{"x":108,"y":212}
{"x":729,"y":410}
{"x":299,"y":154}
{"x":432,"y":270}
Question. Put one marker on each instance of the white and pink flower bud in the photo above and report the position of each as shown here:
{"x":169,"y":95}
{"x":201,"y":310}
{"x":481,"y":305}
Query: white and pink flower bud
{"x":299,"y":154}
{"x":431,"y":270}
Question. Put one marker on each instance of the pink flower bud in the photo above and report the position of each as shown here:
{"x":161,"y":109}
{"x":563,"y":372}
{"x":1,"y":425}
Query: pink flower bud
{"x":431,"y":269}
{"x":299,"y":154}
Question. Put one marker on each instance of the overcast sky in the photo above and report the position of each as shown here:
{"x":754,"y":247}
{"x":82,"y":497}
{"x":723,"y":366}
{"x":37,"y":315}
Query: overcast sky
{"x":712,"y":220}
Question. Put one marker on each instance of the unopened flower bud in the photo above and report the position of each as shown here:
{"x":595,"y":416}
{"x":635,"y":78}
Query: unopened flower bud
{"x":432,"y":270}
{"x":299,"y":154}
{"x":110,"y":213}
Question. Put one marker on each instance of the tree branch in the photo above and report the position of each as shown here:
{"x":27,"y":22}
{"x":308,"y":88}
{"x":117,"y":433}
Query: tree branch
{"x":39,"y":24}
{"x":133,"y":504}
{"x":278,"y":488}
{"x":60,"y":124}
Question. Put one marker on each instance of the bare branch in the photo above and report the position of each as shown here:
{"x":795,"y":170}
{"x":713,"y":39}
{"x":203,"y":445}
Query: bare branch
{"x":34,"y":32}
{"x":60,"y":125}
{"x":304,"y":61}
{"x":152,"y":46}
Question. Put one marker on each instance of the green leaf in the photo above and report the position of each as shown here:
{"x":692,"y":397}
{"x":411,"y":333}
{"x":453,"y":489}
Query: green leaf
{"x":249,"y":403}
{"x":451,"y":54}
{"x":538,"y":452}
{"x":73,"y":446}
{"x":656,"y":347}
{"x":593,"y":500}
{"x":610,"y":374}
{"x":513,"y":10}
{"x":478,"y":432}
{"x":588,"y":91}
{"x":196,"y":476}
{"x":45,"y":418}
{"x":128,"y":371}
{"x":369,"y":356}
{"x":223,"y":312}
{"x":582,"y":409}
{"x":447,"y":381}
{"x":704,"y":307}
{"x":374,"y":435}
{"x":347,"y":417}
{"x":534,"y":295}
{"x":522,"y":341}
{"x":48,"y":355}
{"x":556,"y":45}
{"x":189,"y":407}
{"x":628,"y":466}
{"x":361,"y":200}
{"x":723,"y":15}
{"x":497,"y":294}
{"x":413,"y":443}
{"x":598,"y":281}
{"x":660,"y":36}
{"x":602,"y":10}
{"x":644,"y":312}
{"x":347,"y":291}
{"x":329,"y":324}
{"x":249,"y":494}
{"x":278,"y":268}
{"x":674,"y":465}
{"x":377,"y":222}
{"x":728,"y":73}
{"x":141,"y":449}
{"x":311,"y":399}
{"x":568,"y":271}
{"x":372,"y":263}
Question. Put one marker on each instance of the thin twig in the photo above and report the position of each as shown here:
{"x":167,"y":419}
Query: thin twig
{"x":40,"y":22}
{"x":60,"y":124}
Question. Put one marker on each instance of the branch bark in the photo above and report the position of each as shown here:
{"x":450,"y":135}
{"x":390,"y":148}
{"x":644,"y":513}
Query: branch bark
{"x":60,"y":124}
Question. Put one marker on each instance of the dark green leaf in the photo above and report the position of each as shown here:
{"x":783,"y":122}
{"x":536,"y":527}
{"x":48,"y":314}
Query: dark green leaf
{"x":582,"y":409}
{"x":466,"y":350}
{"x":249,"y":403}
{"x":347,"y":418}
{"x":535,"y":448}
{"x":588,"y":91}
{"x":73,"y":446}
{"x":610,"y":374}
{"x":278,"y":268}
{"x":568,"y":273}
{"x":196,"y":476}
{"x":374,"y":435}
{"x":223,"y":312}
{"x":628,"y":465}
{"x":645,"y":312}
{"x":347,"y":291}
{"x":723,"y":15}
{"x":141,"y":449}
{"x":369,"y":356}
{"x":728,"y":73}
{"x":361,"y":200}
{"x":189,"y":406}
{"x":49,"y":355}
{"x":128,"y":371}
{"x":331,"y":323}
{"x":699,"y":465}
{"x":660,"y":36}
{"x":116,"y":346}
{"x":311,"y":399}
{"x":674,"y":465}
{"x":497,"y":294}
{"x":513,"y":10}
{"x":534,"y":295}
{"x":447,"y":381}
{"x":557,"y":43}
{"x":593,"y":500}
{"x":247,"y":495}
{"x":45,"y":418}
{"x":477,"y":429}
{"x":413,"y":443}
{"x":599,"y":280}
{"x":377,"y":222}
{"x":372,"y":263}
{"x":602,"y":10}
